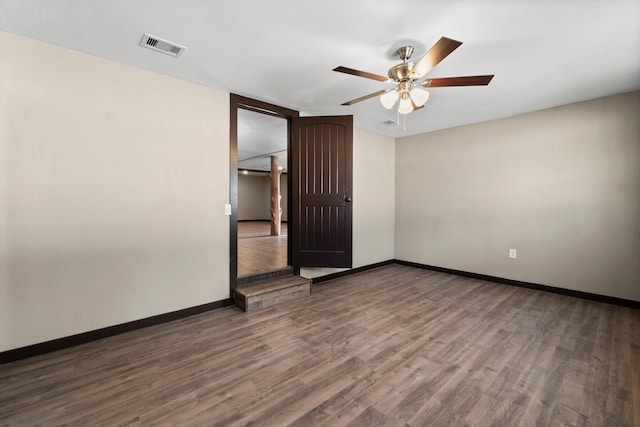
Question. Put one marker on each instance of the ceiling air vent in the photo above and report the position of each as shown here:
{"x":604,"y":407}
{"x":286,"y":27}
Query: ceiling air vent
{"x":160,"y":45}
{"x":389,"y":123}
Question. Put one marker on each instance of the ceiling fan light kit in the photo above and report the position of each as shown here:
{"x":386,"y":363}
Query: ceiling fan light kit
{"x":411,"y":97}
{"x":405,"y":105}
{"x":410,"y":93}
{"x":419,"y":96}
{"x":389,"y":98}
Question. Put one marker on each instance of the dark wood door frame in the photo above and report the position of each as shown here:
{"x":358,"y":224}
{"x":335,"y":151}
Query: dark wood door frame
{"x":238,"y":101}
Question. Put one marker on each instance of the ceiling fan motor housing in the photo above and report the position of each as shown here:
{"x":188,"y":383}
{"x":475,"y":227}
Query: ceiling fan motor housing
{"x":401,"y":71}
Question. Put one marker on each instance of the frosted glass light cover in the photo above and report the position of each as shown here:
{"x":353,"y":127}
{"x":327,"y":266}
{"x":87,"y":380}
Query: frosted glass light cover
{"x":419,"y":96}
{"x":389,"y":98}
{"x":405,"y":106}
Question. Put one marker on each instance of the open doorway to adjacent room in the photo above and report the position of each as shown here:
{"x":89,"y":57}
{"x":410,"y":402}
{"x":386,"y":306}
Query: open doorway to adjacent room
{"x":262,"y":193}
{"x":310,"y":209}
{"x":259,"y":191}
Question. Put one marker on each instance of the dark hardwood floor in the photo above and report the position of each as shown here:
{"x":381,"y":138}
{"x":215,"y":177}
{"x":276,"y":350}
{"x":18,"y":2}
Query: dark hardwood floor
{"x":391,"y":346}
{"x":258,"y":251}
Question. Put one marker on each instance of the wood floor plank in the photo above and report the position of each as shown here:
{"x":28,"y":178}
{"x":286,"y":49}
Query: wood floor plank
{"x":258,"y":251}
{"x":391,"y":346}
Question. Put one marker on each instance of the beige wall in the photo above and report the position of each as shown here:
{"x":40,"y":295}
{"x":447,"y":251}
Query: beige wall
{"x":373,"y":201}
{"x":113,"y":182}
{"x":562,"y":186}
{"x":112,"y":186}
{"x":254,"y":197}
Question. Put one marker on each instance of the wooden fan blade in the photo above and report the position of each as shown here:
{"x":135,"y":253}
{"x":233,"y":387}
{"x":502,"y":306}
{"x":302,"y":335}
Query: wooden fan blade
{"x":458,"y":81}
{"x":362,"y":98}
{"x":359,"y":73}
{"x":437,"y":53}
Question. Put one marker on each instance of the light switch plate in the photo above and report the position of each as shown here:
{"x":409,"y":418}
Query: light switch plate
{"x":513,"y":253}
{"x":227,"y":209}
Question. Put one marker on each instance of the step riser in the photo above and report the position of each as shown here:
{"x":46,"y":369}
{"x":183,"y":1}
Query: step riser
{"x":269,"y":299}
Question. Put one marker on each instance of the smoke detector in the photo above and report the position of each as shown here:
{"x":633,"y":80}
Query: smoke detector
{"x":160,"y":45}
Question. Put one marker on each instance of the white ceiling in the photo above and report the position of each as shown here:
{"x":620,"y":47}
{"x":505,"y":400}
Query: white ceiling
{"x":543,"y":52}
{"x":261,"y":136}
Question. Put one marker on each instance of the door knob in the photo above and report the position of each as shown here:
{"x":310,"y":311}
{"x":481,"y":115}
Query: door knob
{"x":347,"y":199}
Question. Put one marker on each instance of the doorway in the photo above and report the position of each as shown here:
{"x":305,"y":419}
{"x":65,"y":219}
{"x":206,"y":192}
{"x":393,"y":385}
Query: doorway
{"x":260,"y":139}
{"x":262,"y":193}
{"x":319,"y":203}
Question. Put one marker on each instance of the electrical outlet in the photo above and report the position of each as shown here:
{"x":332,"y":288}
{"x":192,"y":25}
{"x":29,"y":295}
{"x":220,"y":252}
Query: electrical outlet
{"x":513,"y":253}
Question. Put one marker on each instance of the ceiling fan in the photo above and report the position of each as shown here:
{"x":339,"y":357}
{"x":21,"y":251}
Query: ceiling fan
{"x":409,"y":91}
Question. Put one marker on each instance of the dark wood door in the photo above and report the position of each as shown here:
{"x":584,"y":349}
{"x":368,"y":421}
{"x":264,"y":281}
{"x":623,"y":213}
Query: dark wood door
{"x":321,"y":154}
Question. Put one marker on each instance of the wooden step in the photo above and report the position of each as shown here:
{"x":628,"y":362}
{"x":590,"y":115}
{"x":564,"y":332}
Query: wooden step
{"x":261,"y":277}
{"x":271,"y":292}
